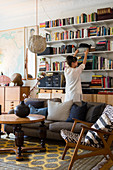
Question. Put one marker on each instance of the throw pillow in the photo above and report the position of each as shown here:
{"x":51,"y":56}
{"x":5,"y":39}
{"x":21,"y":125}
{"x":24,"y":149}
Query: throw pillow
{"x":109,"y":111}
{"x":94,"y":112}
{"x":78,"y":112}
{"x":41,"y":111}
{"x":103,"y":123}
{"x":59,"y":111}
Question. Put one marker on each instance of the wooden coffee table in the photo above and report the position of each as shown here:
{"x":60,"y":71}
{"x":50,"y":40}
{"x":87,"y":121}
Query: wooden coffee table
{"x":19,"y":133}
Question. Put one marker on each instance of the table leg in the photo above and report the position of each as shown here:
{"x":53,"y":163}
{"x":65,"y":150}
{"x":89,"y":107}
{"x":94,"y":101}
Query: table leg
{"x":19,"y":141}
{"x":1,"y":133}
{"x":43,"y":135}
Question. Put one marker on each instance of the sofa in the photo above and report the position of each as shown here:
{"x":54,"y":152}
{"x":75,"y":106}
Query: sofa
{"x":54,"y":127}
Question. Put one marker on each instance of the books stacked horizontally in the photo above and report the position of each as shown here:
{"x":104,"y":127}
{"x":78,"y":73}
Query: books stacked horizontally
{"x":104,"y":46}
{"x":105,"y":13}
{"x":42,"y":25}
{"x":42,"y":65}
{"x":105,"y":92}
{"x":96,"y":81}
{"x":100,"y":81}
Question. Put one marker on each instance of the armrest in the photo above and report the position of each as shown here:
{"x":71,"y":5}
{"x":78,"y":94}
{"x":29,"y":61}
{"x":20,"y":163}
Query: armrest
{"x":98,"y":131}
{"x":79,"y":121}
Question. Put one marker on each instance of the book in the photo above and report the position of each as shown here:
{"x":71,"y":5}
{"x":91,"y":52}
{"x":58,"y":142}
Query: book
{"x":102,"y":11}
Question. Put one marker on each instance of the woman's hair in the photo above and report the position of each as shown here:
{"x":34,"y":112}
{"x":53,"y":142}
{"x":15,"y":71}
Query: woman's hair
{"x":70,"y":59}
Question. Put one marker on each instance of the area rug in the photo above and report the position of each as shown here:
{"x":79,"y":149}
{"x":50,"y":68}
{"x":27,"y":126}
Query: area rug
{"x":49,"y":160}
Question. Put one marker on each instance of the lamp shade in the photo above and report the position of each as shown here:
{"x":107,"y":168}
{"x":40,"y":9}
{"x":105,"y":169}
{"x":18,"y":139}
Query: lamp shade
{"x":37,"y":44}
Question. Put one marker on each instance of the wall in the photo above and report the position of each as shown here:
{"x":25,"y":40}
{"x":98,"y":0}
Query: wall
{"x":20,"y":13}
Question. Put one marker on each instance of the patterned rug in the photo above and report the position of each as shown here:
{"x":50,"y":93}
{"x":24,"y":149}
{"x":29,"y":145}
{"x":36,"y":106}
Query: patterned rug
{"x":49,"y":160}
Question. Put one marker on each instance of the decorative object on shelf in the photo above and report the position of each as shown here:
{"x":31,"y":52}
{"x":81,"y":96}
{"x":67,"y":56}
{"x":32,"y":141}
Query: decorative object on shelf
{"x":16,"y":78}
{"x":22,"y":110}
{"x":83,"y":47}
{"x":37,"y":43}
{"x":4,"y":80}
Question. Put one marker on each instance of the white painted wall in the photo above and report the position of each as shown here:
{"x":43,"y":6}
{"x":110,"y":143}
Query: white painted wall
{"x":20,"y":13}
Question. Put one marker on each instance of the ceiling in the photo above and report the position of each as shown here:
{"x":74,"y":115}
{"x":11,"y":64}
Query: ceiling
{"x":17,"y":13}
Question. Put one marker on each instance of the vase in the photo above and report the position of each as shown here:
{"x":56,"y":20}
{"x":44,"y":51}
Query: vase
{"x":22,"y":110}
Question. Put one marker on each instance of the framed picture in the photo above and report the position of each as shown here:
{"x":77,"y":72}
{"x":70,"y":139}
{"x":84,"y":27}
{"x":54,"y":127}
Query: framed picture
{"x":32,"y":30}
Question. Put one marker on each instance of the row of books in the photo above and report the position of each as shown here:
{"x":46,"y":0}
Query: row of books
{"x":54,"y":66}
{"x":100,"y":81}
{"x":71,"y":20}
{"x":94,"y":62}
{"x":57,"y":22}
{"x":86,"y":18}
{"x":80,"y":33}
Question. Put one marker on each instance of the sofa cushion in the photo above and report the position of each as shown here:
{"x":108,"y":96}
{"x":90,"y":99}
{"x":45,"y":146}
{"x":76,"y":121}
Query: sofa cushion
{"x":35,"y":103}
{"x":41,"y":111}
{"x":94,"y":112}
{"x":59,"y":111}
{"x":36,"y":125}
{"x":77,"y":112}
{"x":57,"y":126}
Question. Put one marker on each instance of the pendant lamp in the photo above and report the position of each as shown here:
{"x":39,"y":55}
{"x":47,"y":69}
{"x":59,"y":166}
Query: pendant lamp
{"x":37,"y":43}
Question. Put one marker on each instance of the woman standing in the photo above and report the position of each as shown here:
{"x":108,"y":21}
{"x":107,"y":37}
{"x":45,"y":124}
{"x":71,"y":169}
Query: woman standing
{"x":72,"y":74}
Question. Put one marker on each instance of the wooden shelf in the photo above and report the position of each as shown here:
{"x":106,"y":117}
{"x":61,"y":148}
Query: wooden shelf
{"x":52,"y":88}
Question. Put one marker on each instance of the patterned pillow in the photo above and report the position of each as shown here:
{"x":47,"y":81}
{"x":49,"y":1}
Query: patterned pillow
{"x":109,"y":112}
{"x":103,"y":123}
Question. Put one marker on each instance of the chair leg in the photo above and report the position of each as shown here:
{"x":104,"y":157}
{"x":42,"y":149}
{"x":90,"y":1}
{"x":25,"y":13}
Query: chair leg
{"x":65,"y":150}
{"x":72,"y":160}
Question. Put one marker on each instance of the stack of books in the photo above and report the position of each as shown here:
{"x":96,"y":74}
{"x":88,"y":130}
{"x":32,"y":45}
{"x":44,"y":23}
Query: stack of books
{"x":104,"y":46}
{"x":42,"y":25}
{"x":105,"y":13}
{"x":42,"y":65}
{"x":96,"y":81}
{"x":92,"y":31}
{"x":100,"y":81}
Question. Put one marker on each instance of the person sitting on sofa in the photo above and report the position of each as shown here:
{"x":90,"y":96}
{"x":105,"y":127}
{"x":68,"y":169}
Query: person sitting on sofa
{"x":72,"y":75}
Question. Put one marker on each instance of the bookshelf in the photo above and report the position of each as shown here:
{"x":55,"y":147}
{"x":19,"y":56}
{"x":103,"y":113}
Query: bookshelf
{"x":105,"y":54}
